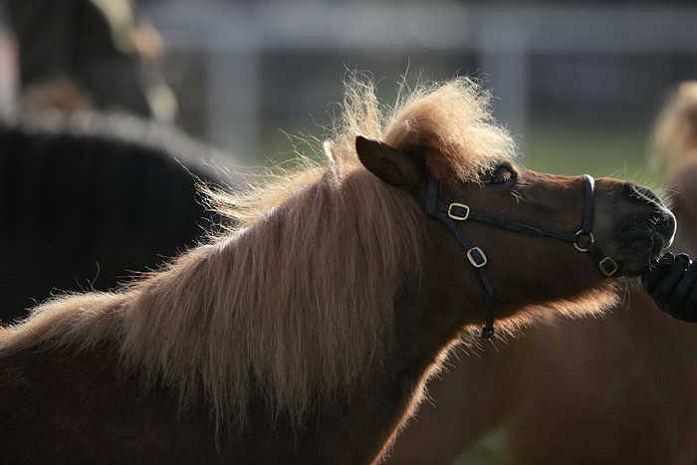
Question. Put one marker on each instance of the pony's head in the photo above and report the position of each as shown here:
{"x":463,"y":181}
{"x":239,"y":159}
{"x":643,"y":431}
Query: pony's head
{"x":523,"y":230}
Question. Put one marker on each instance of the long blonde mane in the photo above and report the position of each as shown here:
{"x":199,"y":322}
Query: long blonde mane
{"x":296,"y":303}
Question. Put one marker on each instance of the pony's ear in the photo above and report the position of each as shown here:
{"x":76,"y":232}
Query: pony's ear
{"x":388,"y":163}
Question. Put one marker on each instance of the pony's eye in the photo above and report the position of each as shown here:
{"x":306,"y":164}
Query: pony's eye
{"x":503,"y":174}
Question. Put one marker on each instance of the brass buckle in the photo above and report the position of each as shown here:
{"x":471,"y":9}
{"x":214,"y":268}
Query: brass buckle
{"x":477,"y":263}
{"x":591,"y":239}
{"x":608,"y":266}
{"x":458,"y":217}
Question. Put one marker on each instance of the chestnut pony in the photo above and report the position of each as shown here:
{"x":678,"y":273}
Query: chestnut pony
{"x":620,"y":389}
{"x":306,"y":335}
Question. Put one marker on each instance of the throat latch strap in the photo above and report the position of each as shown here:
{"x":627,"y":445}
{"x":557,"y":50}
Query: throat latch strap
{"x":448,"y":214}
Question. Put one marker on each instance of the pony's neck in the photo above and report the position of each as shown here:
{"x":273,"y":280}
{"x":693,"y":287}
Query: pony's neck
{"x":422,"y":342}
{"x":297,"y":308}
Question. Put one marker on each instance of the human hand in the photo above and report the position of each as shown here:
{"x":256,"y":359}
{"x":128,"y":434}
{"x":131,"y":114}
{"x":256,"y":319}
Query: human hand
{"x":671,"y":284}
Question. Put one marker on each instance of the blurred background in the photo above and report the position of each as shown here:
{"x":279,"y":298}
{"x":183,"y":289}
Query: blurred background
{"x":578,"y":84}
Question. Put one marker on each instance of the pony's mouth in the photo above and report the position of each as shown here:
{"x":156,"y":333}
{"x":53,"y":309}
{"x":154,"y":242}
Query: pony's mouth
{"x":642,"y":249}
{"x":652,"y":241}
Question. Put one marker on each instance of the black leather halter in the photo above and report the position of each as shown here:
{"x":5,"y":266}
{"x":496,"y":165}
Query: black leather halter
{"x":452,"y":213}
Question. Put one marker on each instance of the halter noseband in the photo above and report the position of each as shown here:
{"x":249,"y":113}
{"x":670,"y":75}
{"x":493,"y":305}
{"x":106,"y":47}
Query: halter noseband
{"x":449,"y":213}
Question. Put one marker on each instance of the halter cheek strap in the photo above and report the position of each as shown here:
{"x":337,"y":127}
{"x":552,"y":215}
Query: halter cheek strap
{"x":451,"y":213}
{"x":607,"y":265}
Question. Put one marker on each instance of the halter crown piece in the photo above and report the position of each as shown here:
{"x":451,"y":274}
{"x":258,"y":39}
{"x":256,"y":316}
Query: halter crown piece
{"x":452,"y":213}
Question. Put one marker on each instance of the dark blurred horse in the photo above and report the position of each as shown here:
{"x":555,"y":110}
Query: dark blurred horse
{"x":619,"y":389}
{"x":86,"y":200}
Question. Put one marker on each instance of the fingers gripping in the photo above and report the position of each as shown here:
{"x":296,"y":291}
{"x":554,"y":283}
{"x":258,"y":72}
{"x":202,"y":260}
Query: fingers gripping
{"x":666,"y":286}
{"x":684,"y":289}
{"x":672,"y":285}
{"x":657,"y":272}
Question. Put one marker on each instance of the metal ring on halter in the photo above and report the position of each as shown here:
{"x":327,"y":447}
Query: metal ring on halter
{"x":608,"y":266}
{"x":477,"y":257}
{"x":455,"y":216}
{"x":578,"y":235}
